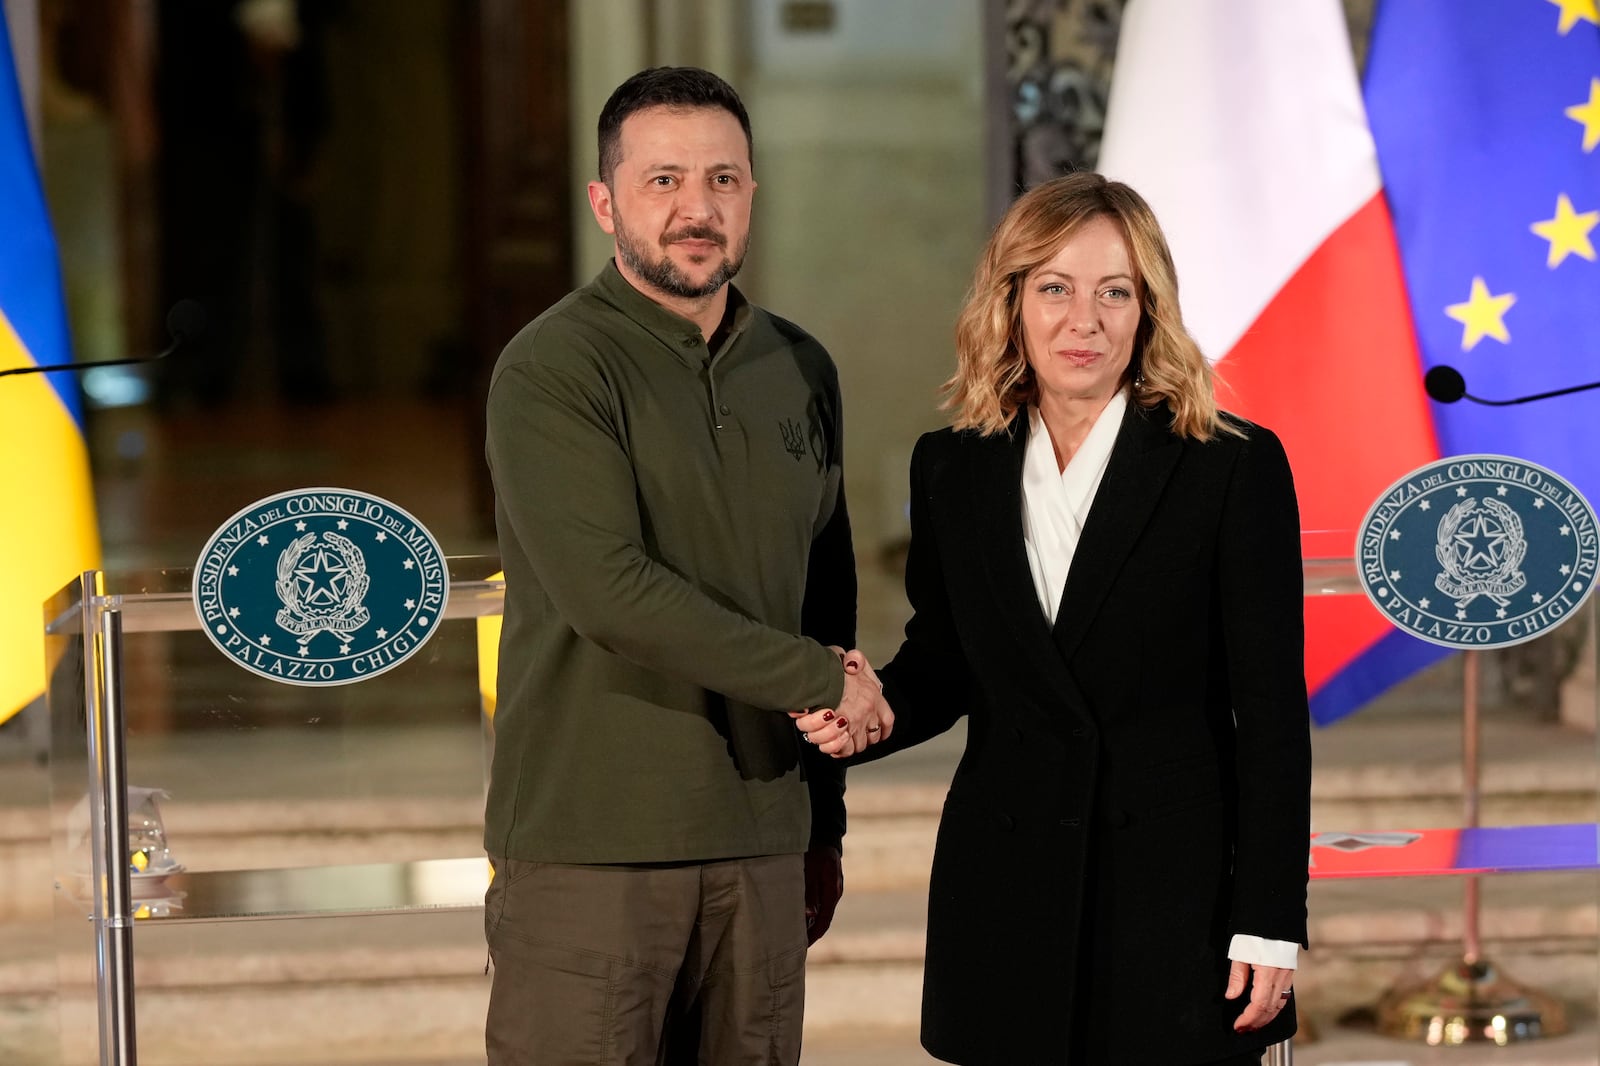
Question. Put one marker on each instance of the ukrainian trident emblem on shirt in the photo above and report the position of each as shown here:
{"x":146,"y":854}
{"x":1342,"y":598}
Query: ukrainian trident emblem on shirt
{"x":794,"y":438}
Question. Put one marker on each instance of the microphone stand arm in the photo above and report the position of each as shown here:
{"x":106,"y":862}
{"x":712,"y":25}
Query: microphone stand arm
{"x":1535,"y":396}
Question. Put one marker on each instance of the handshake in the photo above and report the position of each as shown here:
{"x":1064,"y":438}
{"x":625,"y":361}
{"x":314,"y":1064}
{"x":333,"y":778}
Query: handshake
{"x":863,"y":716}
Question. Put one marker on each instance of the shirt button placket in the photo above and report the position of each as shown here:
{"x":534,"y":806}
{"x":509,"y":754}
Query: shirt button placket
{"x":693,"y":341}
{"x":718,"y":408}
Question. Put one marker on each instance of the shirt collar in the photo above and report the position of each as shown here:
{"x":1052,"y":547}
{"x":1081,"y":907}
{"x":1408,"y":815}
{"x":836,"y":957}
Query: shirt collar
{"x":669,"y":327}
{"x":1083,"y":470}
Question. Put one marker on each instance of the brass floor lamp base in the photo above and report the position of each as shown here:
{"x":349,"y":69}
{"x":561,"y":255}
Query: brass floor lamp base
{"x":1470,"y":1003}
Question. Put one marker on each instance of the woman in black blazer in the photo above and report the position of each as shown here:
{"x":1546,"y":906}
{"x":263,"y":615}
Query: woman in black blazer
{"x":1105,"y":577}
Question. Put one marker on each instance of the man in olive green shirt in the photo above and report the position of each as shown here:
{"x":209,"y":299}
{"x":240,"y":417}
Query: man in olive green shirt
{"x":679,"y":575}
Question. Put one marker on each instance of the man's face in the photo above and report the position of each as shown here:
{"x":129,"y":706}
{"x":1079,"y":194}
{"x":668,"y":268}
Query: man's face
{"x":678,"y":203}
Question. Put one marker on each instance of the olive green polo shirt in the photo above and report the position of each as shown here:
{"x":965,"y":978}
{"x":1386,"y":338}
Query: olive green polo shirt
{"x":671,"y":519}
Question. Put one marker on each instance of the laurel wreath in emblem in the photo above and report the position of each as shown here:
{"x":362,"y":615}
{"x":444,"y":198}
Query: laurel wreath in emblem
{"x":1492,"y":572}
{"x":340,"y":618}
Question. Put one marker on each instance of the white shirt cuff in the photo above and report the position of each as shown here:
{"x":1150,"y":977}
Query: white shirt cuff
{"x":1258,"y":951}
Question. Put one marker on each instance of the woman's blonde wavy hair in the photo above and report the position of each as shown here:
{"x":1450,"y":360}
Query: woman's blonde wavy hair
{"x":993,"y":380}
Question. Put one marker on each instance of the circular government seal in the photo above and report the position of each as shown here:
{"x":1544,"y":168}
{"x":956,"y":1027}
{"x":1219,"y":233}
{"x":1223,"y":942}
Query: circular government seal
{"x":1478,"y":551}
{"x":320,"y":586}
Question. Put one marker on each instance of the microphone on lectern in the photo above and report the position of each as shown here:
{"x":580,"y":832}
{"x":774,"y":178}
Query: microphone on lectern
{"x":1444,"y":384}
{"x":185,"y":321}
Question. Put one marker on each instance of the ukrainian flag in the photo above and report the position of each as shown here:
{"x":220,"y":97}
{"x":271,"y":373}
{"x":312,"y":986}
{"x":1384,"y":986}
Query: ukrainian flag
{"x":47,"y":525}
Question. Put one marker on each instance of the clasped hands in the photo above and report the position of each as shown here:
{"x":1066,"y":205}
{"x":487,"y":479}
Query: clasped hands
{"x":863,"y":716}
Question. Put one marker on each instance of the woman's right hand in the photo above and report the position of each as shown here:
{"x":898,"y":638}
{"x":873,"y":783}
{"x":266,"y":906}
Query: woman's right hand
{"x":863,"y":716}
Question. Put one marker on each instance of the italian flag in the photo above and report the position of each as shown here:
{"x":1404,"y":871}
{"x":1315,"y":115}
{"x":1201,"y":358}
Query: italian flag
{"x":1241,"y":122}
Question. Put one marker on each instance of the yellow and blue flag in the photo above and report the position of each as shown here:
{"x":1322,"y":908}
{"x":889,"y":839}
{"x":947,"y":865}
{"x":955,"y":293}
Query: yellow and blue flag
{"x":47,"y":524}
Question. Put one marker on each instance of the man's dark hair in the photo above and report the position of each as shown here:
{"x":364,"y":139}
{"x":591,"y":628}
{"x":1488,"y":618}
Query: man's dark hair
{"x":675,"y":87}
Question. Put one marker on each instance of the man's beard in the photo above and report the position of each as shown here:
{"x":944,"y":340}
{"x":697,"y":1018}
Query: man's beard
{"x":663,"y":274}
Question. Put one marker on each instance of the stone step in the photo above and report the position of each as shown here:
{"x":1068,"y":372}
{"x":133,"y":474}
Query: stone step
{"x":439,"y":1023}
{"x":1389,"y":771}
{"x":890,"y":844}
{"x":411,"y":987}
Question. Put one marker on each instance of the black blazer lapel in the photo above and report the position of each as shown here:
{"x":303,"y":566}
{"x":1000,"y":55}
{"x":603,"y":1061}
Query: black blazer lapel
{"x":996,"y":493}
{"x":1141,"y":461}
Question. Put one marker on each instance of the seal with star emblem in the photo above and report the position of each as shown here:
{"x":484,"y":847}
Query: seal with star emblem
{"x":320,"y":586}
{"x":1479,"y":551}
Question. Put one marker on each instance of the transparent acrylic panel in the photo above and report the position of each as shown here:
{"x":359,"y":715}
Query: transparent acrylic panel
{"x":250,"y":798}
{"x":73,"y":936}
{"x":1330,"y":567}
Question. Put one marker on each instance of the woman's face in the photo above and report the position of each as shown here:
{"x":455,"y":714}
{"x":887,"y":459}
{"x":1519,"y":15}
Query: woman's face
{"x":1080,"y":313}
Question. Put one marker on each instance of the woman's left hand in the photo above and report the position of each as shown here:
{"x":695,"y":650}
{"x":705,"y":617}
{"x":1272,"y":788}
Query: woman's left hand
{"x":1270,"y":989}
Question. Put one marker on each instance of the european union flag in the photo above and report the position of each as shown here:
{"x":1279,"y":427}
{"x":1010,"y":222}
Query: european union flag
{"x":1486,"y":115}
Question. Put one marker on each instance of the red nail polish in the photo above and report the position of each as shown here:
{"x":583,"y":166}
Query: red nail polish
{"x":844,"y":723}
{"x":827,"y":716}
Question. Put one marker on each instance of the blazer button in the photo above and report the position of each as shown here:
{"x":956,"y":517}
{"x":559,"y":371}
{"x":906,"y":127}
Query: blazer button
{"x":1007,"y":821}
{"x":1118,"y":819}
{"x":1070,"y":823}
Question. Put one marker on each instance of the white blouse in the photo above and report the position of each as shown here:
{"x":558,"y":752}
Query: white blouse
{"x":1055,"y":503}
